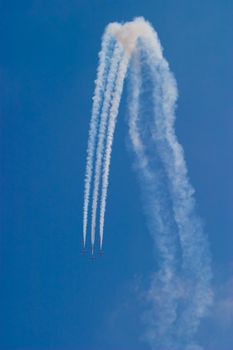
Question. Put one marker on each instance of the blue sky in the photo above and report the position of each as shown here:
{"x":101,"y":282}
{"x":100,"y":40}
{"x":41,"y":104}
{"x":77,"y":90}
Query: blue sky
{"x":50,"y":296}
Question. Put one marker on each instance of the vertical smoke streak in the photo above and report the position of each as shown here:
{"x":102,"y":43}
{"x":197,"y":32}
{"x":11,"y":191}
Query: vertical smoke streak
{"x":97,"y":99}
{"x":196,"y":270}
{"x":135,"y":88}
{"x":110,"y":134}
{"x":117,"y":54}
{"x":161,"y":294}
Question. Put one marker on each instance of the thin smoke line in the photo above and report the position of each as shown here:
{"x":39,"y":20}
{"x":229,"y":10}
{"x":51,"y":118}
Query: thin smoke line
{"x":117,"y":53}
{"x":110,"y":135}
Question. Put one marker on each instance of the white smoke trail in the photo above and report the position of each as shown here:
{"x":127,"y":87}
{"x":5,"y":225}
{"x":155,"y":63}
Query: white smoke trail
{"x":180,"y":292}
{"x":135,"y":89}
{"x":196,"y":270}
{"x":110,"y":134}
{"x":117,"y":54}
{"x":164,"y":299}
{"x":97,"y":99}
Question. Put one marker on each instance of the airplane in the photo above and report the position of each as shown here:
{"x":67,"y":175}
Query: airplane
{"x":84,"y":251}
{"x":101,"y":252}
{"x":92,"y":257}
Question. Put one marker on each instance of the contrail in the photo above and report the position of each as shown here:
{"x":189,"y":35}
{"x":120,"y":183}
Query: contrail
{"x":196,"y":268}
{"x":97,"y":99}
{"x":102,"y":130}
{"x":180,"y":291}
{"x":110,"y":134}
{"x":164,"y":300}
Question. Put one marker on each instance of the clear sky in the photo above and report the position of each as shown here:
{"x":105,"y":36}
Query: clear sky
{"x":51,"y":297}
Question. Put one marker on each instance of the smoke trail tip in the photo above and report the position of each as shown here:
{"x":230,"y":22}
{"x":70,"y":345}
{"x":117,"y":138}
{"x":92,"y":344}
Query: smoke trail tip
{"x":101,"y":246}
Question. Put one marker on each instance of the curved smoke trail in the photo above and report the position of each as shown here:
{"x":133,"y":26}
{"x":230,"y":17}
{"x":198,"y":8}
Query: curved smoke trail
{"x":172,"y":286}
{"x":180,"y":291}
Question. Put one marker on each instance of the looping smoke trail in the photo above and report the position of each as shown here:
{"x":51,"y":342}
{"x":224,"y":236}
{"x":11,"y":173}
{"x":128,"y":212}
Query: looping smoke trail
{"x":180,"y":291}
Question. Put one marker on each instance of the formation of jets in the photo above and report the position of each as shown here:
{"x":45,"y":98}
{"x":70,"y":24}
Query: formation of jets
{"x":92,"y":256}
